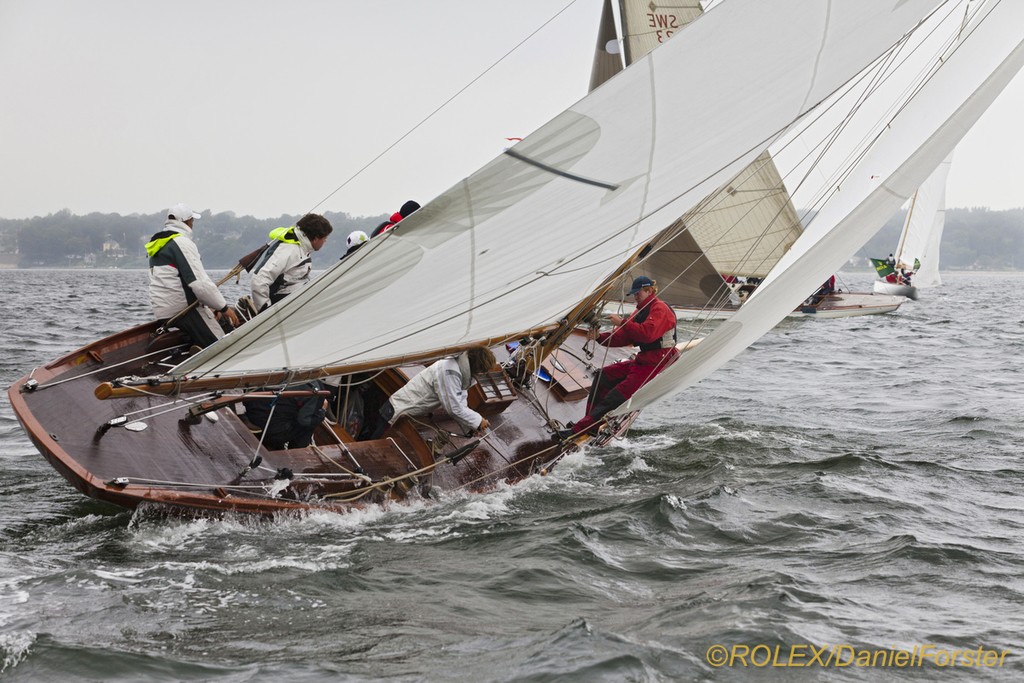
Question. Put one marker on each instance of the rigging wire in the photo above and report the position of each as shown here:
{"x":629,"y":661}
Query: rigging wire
{"x":442,"y":106}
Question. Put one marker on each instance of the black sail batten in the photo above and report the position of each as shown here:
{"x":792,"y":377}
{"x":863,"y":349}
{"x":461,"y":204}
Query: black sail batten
{"x":559,"y":172}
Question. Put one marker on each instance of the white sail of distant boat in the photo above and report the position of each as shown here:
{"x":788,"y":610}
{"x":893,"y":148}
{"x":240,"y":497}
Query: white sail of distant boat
{"x":923,"y":239}
{"x":918,"y":247}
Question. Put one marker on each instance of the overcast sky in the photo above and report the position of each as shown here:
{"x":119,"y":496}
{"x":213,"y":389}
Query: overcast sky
{"x":266,"y":107}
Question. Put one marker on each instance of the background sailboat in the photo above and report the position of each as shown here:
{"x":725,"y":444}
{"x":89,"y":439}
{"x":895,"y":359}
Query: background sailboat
{"x":918,"y":248}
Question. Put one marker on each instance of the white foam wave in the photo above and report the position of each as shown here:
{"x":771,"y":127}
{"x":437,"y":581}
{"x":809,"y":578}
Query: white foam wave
{"x":648,"y":442}
{"x":15,"y":647}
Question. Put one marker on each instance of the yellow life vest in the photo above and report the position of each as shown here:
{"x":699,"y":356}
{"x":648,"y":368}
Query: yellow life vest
{"x":281,"y":235}
{"x":158,"y":244}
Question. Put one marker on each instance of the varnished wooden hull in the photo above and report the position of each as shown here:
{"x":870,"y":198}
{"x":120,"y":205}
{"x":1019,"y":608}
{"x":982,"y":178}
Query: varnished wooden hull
{"x":200,"y":465}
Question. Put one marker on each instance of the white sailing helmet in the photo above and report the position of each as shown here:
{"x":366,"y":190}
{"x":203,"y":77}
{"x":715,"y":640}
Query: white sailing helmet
{"x":355,"y":237}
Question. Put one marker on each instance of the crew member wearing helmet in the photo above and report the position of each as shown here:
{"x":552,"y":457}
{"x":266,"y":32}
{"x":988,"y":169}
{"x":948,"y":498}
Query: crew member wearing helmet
{"x":355,"y":239}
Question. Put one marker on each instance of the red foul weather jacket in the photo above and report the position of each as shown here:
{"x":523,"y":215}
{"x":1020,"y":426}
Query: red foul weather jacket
{"x":652,"y":327}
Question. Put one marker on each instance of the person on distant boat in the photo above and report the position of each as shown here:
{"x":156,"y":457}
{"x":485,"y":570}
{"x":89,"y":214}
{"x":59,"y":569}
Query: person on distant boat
{"x":445,"y":384}
{"x":891,"y":261}
{"x":652,"y":327}
{"x":904,"y":278}
{"x":289,"y":421}
{"x":287,"y":264}
{"x":407,"y":209}
{"x":355,"y":239}
{"x":177,"y":279}
{"x":828,"y":287}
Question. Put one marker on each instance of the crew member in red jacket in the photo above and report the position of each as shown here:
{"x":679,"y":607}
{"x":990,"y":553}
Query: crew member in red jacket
{"x":652,"y":327}
{"x":407,"y":209}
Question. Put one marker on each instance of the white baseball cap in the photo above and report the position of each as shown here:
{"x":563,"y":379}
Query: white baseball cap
{"x":182,"y":212}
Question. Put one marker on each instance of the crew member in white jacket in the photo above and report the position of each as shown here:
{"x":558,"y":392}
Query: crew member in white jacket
{"x":177,"y":278}
{"x":444,"y":384}
{"x":287,"y":264}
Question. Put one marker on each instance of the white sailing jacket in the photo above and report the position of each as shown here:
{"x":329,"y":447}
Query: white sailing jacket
{"x":444,"y":384}
{"x":285,"y":268}
{"x":176,"y":273}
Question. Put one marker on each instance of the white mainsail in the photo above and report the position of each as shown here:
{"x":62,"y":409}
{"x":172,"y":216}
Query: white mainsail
{"x":922,"y":230}
{"x":518,"y":243}
{"x":930,"y":121}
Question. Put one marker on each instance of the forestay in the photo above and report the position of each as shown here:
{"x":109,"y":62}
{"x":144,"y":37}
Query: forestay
{"x":927,"y":126}
{"x":518,"y":243}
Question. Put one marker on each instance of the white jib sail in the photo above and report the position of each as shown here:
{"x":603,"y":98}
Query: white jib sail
{"x":518,"y":243}
{"x":922,"y":232}
{"x":924,"y":131}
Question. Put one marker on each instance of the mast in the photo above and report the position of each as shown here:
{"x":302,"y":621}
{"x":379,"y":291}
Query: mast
{"x":607,"y":62}
{"x":906,"y":228}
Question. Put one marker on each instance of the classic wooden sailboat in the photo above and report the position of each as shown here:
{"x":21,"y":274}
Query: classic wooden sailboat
{"x":917,"y":252}
{"x":135,"y":419}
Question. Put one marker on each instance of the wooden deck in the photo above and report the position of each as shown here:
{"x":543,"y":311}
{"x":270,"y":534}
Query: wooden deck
{"x":201,"y":463}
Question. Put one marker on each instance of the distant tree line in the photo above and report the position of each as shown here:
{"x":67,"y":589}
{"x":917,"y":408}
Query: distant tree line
{"x":974,"y":239}
{"x":105,"y":240}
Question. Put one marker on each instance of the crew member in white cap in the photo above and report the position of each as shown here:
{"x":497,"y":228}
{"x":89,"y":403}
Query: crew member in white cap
{"x":177,"y":278}
{"x":355,"y":239}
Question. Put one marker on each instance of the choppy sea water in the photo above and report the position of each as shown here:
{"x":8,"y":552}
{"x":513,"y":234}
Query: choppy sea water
{"x":851,"y":483}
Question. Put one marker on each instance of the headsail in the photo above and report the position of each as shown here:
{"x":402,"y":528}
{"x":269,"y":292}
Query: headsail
{"x":930,"y":121}
{"x":922,"y":230}
{"x":516,"y":244}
